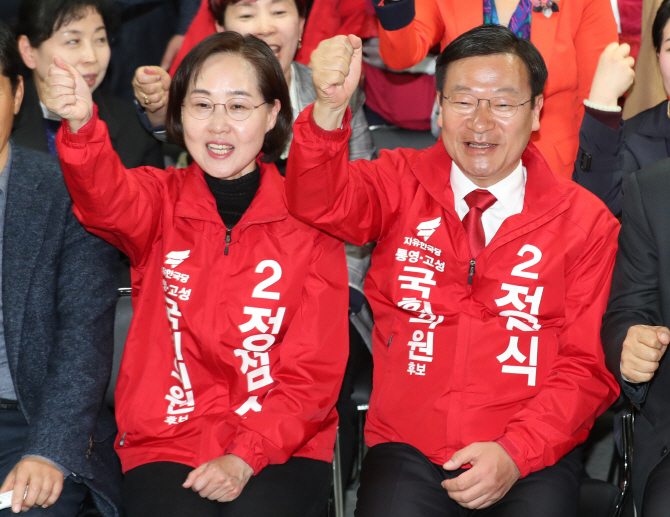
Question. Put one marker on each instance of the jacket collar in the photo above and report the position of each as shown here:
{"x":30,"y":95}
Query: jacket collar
{"x":544,"y":197}
{"x":197,"y":202}
{"x":657,"y":123}
{"x":28,"y":129}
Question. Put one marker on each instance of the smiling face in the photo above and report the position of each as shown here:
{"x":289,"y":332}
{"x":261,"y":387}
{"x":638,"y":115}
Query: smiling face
{"x":485,"y":147}
{"x":223,"y":147}
{"x":276,"y":22}
{"x":82,"y":43}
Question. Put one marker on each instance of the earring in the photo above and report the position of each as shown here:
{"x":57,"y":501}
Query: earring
{"x":299,"y":42}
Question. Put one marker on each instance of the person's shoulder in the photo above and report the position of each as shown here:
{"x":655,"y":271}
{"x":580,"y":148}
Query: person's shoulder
{"x":654,"y":114}
{"x":586,"y":210}
{"x":36,"y":167}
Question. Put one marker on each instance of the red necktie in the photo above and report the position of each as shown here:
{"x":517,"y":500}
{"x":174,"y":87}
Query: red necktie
{"x":479,"y":201}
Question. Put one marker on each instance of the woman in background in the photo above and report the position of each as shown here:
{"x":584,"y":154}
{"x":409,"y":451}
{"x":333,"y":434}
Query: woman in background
{"x":76,"y":32}
{"x":280,"y":24}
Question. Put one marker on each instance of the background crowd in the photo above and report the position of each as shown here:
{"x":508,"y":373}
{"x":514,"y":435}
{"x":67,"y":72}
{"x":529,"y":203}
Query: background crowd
{"x":134,"y":65}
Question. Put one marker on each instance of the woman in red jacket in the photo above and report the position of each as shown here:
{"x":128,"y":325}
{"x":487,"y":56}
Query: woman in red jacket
{"x":238,"y":342}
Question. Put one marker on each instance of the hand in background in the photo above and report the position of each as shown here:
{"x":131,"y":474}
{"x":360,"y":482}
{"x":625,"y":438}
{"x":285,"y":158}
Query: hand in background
{"x":152,"y":88}
{"x":614,"y":75}
{"x":642,"y":351}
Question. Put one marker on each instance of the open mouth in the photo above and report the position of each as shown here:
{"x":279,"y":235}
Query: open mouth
{"x":276,"y":49}
{"x":90,"y":79}
{"x":220,"y":149}
{"x":480,"y":145}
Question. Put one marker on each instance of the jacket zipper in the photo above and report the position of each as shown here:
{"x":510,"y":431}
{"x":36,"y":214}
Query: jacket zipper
{"x":472,"y":271}
{"x":228,"y":231}
{"x":123,"y":440}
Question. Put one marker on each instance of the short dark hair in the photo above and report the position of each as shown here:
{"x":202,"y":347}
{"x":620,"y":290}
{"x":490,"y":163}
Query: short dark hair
{"x":488,"y":40}
{"x":660,"y":21}
{"x":39,"y":19}
{"x":10,"y":59}
{"x":218,"y":8}
{"x":269,"y":77}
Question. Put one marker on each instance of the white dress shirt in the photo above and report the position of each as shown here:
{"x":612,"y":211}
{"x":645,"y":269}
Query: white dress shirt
{"x":509,"y":193}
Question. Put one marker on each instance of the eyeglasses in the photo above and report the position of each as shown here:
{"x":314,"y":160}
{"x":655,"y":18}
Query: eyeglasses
{"x":202,"y":108}
{"x":465,"y":104}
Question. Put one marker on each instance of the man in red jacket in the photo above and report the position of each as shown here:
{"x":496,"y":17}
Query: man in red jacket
{"x":488,"y":284}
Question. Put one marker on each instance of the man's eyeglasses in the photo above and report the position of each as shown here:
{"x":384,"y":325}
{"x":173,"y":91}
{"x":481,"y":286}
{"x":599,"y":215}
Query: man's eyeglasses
{"x":465,"y":104}
{"x":202,"y":108}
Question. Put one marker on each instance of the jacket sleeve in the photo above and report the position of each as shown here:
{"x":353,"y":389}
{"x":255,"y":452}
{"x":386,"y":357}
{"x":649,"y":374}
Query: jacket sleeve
{"x":408,"y":30}
{"x":313,"y":356}
{"x":578,"y":387}
{"x":635,"y":295}
{"x":80,"y":359}
{"x":354,"y":201}
{"x":599,"y":167}
{"x":123,"y":206}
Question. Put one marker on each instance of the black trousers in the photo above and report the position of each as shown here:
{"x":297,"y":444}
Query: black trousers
{"x":298,"y":488}
{"x":399,"y":481}
{"x":656,"y":500}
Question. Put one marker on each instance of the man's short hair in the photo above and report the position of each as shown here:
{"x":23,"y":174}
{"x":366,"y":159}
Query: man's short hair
{"x":488,"y":40}
{"x":10,"y":59}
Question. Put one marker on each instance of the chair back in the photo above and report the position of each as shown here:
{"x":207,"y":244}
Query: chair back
{"x":124,"y":313}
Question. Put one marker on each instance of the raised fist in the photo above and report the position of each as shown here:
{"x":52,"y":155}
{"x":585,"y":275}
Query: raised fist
{"x":152,"y":87}
{"x":336,"y":71}
{"x":642,"y":351}
{"x":67,"y":94}
{"x":613,"y":76}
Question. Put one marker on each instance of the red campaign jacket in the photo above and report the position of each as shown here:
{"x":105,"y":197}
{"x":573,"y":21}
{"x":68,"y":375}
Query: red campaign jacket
{"x":220,"y":329}
{"x":513,"y":357}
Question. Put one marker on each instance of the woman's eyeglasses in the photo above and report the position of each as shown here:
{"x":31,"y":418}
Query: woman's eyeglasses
{"x":202,"y":108}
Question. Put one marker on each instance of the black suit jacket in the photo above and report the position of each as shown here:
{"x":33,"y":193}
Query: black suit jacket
{"x":58,"y":292}
{"x":129,"y":139}
{"x":616,"y":153}
{"x":641,"y":295}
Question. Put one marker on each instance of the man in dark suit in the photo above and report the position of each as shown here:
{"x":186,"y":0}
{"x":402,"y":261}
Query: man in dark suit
{"x":635,"y":330}
{"x":58,"y":287}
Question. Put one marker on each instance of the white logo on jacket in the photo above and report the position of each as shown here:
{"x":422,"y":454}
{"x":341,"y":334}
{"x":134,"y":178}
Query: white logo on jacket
{"x":427,"y":228}
{"x":174,"y":258}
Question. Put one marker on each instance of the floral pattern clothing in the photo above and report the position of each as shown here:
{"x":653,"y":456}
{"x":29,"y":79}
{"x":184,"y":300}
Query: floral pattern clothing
{"x":519,"y":24}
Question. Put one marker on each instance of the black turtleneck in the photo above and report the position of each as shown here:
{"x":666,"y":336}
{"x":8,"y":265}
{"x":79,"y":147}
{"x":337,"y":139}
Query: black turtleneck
{"x":233,"y":197}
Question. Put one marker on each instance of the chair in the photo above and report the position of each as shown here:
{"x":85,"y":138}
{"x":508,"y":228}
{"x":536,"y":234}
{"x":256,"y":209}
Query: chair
{"x":124,"y":313}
